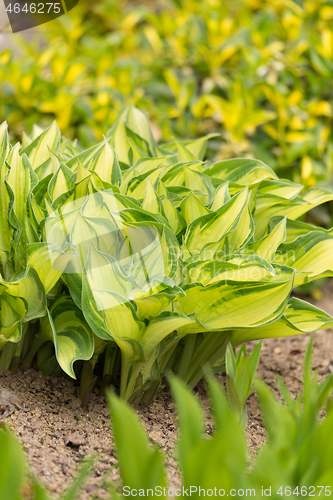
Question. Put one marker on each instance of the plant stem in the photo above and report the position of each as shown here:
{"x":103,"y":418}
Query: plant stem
{"x":208,"y":352}
{"x":6,"y":356}
{"x":110,"y":360}
{"x":165,"y":357}
{"x":111,"y":367}
{"x":186,"y":356}
{"x":18,"y":350}
{"x":45,"y":352}
{"x":37,"y":342}
{"x":130,"y":371}
{"x":88,"y":381}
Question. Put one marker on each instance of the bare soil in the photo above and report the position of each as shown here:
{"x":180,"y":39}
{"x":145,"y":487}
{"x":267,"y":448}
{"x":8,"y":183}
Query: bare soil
{"x":57,"y":433}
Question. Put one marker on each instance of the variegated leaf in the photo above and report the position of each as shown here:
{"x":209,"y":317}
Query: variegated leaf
{"x":299,"y":317}
{"x":22,"y":180}
{"x":6,"y":198}
{"x":242,"y":171}
{"x":213,"y":227}
{"x":312,"y":254}
{"x":66,"y":327}
{"x":105,"y":163}
{"x":38,"y":151}
{"x":228,"y":305}
{"x":267,"y":246}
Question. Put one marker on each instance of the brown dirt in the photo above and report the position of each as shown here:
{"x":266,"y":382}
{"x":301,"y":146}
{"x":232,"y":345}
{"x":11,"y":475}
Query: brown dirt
{"x":57,"y":433}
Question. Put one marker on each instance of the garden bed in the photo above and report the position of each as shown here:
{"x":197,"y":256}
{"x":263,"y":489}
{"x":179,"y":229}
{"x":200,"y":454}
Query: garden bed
{"x":57,"y":433}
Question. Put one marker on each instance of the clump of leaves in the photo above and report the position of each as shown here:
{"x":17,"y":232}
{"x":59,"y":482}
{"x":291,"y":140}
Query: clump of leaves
{"x":241,"y":372}
{"x":131,"y":259}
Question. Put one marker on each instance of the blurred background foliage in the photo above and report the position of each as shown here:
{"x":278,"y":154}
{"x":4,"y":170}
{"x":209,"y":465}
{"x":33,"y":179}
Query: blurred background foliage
{"x":257,"y":72}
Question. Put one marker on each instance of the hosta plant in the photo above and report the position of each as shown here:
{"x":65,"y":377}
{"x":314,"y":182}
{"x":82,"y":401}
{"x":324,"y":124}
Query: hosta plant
{"x":131,"y":259}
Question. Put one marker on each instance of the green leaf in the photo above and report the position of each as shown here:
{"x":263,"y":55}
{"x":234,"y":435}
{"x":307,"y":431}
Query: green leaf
{"x":243,"y":379}
{"x":198,"y":147}
{"x":220,"y":408}
{"x":242,"y":171}
{"x":175,"y":219}
{"x":192,"y":208}
{"x":279,"y":423}
{"x":6,"y":197}
{"x":138,"y":122}
{"x":13,"y":468}
{"x":254,"y":361}
{"x":152,"y":202}
{"x":249,"y":268}
{"x":284,"y":189}
{"x":311,"y":254}
{"x":39,"y":492}
{"x":190,"y":419}
{"x":299,"y":317}
{"x":49,"y":167}
{"x":141,"y":464}
{"x":77,"y":485}
{"x":269,"y":206}
{"x":38,"y":151}
{"x":231,"y":305}
{"x":160,"y":327}
{"x":243,"y":232}
{"x":27,"y":286}
{"x":221,"y":196}
{"x":22,"y":181}
{"x":111,"y":315}
{"x":230,"y":361}
{"x":184,"y":154}
{"x":72,"y":337}
{"x":307,"y":372}
{"x":13,"y":311}
{"x":137,"y":185}
{"x":213,"y":227}
{"x":48,"y":262}
{"x":104,"y":162}
{"x":233,"y":397}
{"x":61,"y":182}
{"x":219,"y":461}
{"x":149,"y":305}
{"x":267,"y":246}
